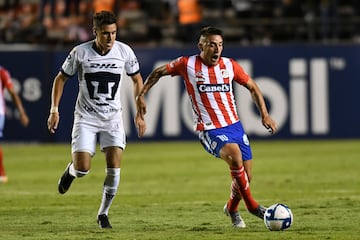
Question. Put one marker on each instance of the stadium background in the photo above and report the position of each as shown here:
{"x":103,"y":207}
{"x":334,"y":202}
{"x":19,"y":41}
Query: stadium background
{"x":303,"y":54}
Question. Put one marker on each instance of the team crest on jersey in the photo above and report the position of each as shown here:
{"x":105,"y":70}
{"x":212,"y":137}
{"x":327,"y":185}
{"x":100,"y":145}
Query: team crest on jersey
{"x":224,"y":73}
{"x":199,"y":76}
{"x":69,"y":57}
{"x":133,"y":62}
{"x":172,"y":63}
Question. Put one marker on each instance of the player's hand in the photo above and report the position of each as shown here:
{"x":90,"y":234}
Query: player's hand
{"x":24,"y":119}
{"x":53,"y":122}
{"x":269,"y":124}
{"x":140,"y":124}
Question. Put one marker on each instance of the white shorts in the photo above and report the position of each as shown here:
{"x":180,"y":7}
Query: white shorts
{"x":85,"y":134}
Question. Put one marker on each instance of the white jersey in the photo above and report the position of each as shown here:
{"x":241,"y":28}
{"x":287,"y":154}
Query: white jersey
{"x":100,"y":78}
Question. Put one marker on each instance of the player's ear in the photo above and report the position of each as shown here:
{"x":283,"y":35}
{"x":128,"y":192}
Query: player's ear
{"x":94,"y":31}
{"x":200,"y":46}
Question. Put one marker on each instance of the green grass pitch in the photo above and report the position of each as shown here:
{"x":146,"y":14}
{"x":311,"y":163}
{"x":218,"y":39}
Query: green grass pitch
{"x":176,"y":191}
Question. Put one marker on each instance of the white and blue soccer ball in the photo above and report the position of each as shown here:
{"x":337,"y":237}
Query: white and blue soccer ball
{"x":278,"y":217}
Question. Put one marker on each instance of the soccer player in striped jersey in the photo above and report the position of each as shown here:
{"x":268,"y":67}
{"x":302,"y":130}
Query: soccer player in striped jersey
{"x":99,"y":64}
{"x":208,"y":79}
{"x":7,"y":83}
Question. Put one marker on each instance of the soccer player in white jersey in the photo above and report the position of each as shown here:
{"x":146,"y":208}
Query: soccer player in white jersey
{"x":208,"y":79}
{"x":99,"y":64}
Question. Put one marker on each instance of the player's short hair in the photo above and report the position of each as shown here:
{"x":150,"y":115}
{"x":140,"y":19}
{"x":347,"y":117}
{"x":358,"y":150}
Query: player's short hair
{"x":209,"y":30}
{"x":103,"y":18}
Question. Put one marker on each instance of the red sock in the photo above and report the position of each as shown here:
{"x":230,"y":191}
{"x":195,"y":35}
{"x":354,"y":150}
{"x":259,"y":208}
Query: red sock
{"x":240,"y":177}
{"x":2,"y":169}
{"x":235,"y":197}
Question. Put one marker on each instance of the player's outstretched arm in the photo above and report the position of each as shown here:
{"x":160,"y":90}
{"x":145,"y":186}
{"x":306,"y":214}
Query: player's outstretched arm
{"x":153,"y":78}
{"x":141,"y":108}
{"x":258,"y":98}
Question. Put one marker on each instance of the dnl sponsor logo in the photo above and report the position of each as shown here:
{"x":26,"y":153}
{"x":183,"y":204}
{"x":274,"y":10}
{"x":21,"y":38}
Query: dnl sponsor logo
{"x":103,"y":65}
{"x":300,"y":100}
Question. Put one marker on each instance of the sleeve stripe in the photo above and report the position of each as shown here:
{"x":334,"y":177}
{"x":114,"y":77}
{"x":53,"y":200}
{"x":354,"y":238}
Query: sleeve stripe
{"x":132,"y":74}
{"x":63,"y":72}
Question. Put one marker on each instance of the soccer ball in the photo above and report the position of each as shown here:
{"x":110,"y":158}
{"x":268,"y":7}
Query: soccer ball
{"x":278,"y":217}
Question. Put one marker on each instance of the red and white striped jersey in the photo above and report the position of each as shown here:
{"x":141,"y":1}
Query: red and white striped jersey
{"x":210,"y":89}
{"x":5,"y":82}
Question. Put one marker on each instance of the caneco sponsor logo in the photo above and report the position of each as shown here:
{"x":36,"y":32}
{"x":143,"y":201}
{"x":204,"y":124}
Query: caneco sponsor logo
{"x":213,"y":87}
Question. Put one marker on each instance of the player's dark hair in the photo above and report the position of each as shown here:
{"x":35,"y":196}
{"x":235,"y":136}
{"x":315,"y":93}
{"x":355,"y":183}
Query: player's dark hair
{"x":209,"y":30}
{"x":103,"y":18}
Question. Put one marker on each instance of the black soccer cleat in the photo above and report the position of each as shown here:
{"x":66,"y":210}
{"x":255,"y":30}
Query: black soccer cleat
{"x":103,"y":221}
{"x":65,"y":181}
{"x":259,"y":211}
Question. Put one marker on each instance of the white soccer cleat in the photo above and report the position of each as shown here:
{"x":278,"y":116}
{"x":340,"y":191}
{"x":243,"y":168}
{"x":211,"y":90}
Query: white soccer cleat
{"x":236,"y":219}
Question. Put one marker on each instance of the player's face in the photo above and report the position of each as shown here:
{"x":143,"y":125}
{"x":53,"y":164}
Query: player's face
{"x":105,"y":37}
{"x":211,"y":49}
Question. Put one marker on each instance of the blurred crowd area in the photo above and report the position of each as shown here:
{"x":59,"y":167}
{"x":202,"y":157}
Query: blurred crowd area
{"x":177,"y":22}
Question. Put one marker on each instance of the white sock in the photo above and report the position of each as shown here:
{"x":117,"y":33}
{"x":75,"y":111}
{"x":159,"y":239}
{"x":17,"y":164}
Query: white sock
{"x":76,"y":173}
{"x":72,"y":170}
{"x":111,"y":184}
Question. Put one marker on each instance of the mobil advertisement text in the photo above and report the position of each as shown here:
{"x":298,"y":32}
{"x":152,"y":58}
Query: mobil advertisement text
{"x":310,"y":91}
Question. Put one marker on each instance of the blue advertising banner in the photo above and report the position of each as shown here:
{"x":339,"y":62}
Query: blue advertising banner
{"x":310,"y":92}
